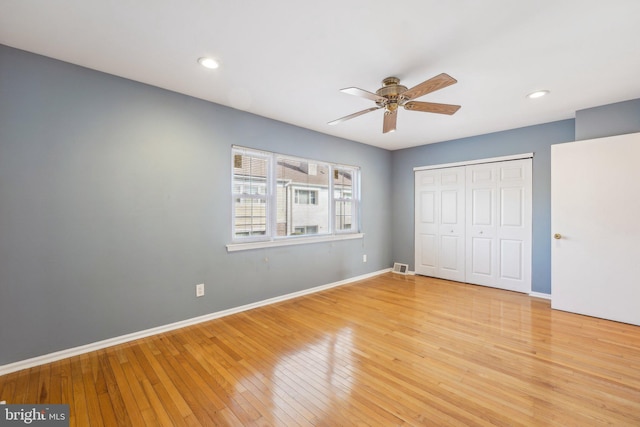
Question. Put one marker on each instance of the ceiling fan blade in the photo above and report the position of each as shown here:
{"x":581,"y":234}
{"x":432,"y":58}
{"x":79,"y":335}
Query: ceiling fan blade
{"x":435,"y":83}
{"x":363,"y":94}
{"x":351,"y":116}
{"x":390,"y":118}
{"x":431,"y":107}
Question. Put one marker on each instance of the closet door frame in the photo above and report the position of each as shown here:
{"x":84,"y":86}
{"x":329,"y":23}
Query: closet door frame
{"x":475,"y":162}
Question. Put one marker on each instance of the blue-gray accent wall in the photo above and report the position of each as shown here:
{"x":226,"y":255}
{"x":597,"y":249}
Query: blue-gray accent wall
{"x":115,"y":202}
{"x":608,"y":120}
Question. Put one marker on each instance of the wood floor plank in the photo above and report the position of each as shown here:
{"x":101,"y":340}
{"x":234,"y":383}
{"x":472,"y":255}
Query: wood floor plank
{"x":111,"y":403}
{"x":91,"y":380}
{"x":8,"y":388}
{"x":196,"y":399}
{"x":44,"y":383}
{"x":79,"y":394}
{"x":65,"y":386}
{"x":167,"y":392}
{"x":133,"y":412}
{"x":390,"y":350}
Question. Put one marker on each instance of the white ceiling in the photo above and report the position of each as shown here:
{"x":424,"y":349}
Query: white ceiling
{"x":287,"y":59}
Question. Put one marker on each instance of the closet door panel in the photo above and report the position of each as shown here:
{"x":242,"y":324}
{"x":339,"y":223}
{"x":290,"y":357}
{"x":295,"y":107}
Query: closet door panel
{"x":512,"y":205}
{"x":452,"y":225}
{"x":439,"y":240}
{"x":481,"y":263}
{"x":514,"y":225}
{"x":511,"y":261}
{"x":482,"y":202}
{"x":427,"y":201}
{"x":449,"y":259}
{"x":429,"y":250}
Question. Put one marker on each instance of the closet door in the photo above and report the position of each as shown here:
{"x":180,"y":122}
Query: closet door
{"x":482,"y":226}
{"x":514,"y":225}
{"x":439,"y":222}
{"x":498,"y":225}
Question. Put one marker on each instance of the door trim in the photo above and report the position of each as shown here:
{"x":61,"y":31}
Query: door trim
{"x":476,"y":162}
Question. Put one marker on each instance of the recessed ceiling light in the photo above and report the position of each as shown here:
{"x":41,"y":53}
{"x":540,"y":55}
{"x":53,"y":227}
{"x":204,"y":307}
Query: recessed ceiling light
{"x":208,"y":63}
{"x":538,"y":94}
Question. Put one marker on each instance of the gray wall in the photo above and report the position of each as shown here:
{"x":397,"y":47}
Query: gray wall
{"x":114,"y":204}
{"x":608,"y":120}
{"x":536,"y":139}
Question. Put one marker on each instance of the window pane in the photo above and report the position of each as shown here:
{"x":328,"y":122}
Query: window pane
{"x":250,"y":181}
{"x":342,"y":184}
{"x":344,"y":215}
{"x":302,"y":197}
{"x":249,"y":174}
{"x":250,"y":217}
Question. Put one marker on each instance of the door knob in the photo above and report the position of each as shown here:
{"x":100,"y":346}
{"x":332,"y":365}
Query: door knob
{"x":557,"y":236}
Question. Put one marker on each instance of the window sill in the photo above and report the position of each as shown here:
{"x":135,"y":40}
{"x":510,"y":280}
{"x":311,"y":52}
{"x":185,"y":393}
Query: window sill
{"x":234,"y":247}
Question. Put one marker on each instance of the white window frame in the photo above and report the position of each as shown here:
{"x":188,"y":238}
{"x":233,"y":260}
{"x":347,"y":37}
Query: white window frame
{"x":270,"y":238}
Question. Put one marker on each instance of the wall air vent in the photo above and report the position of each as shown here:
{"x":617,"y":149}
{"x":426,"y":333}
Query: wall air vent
{"x":400,"y":268}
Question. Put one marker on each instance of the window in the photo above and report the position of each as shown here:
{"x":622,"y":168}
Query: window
{"x":277,"y":197}
{"x":306,"y":197}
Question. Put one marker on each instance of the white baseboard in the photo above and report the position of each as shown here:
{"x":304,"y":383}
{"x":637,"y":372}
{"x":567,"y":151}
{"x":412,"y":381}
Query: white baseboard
{"x":540,"y":295}
{"x":75,"y":351}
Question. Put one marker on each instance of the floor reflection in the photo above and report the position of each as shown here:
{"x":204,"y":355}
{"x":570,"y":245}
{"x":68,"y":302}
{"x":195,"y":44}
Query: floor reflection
{"x":309,"y":381}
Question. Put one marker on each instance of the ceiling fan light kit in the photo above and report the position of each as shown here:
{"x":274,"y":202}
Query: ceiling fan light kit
{"x":393,"y":95}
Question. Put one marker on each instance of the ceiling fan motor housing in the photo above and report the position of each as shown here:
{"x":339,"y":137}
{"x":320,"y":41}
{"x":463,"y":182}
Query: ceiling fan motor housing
{"x":390,"y":90}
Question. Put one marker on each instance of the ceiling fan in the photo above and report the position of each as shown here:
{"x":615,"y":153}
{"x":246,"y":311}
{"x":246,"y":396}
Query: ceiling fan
{"x":393,"y":95}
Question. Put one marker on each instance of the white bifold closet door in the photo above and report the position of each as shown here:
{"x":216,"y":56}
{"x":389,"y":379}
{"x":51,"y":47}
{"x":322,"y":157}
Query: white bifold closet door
{"x":498,"y":225}
{"x":439,"y":240}
{"x":473,"y":224}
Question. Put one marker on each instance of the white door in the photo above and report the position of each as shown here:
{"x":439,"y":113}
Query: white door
{"x":482,"y":225}
{"x":595,"y":212}
{"x":426,"y":222}
{"x":498,"y":216}
{"x":439,"y":217}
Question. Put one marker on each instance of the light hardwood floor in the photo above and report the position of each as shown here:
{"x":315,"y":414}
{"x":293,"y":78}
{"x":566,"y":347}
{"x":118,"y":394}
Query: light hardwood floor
{"x":391,"y":350}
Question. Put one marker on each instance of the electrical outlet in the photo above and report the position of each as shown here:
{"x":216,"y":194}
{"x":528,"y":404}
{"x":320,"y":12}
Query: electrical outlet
{"x":200,"y":290}
{"x":364,"y":258}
